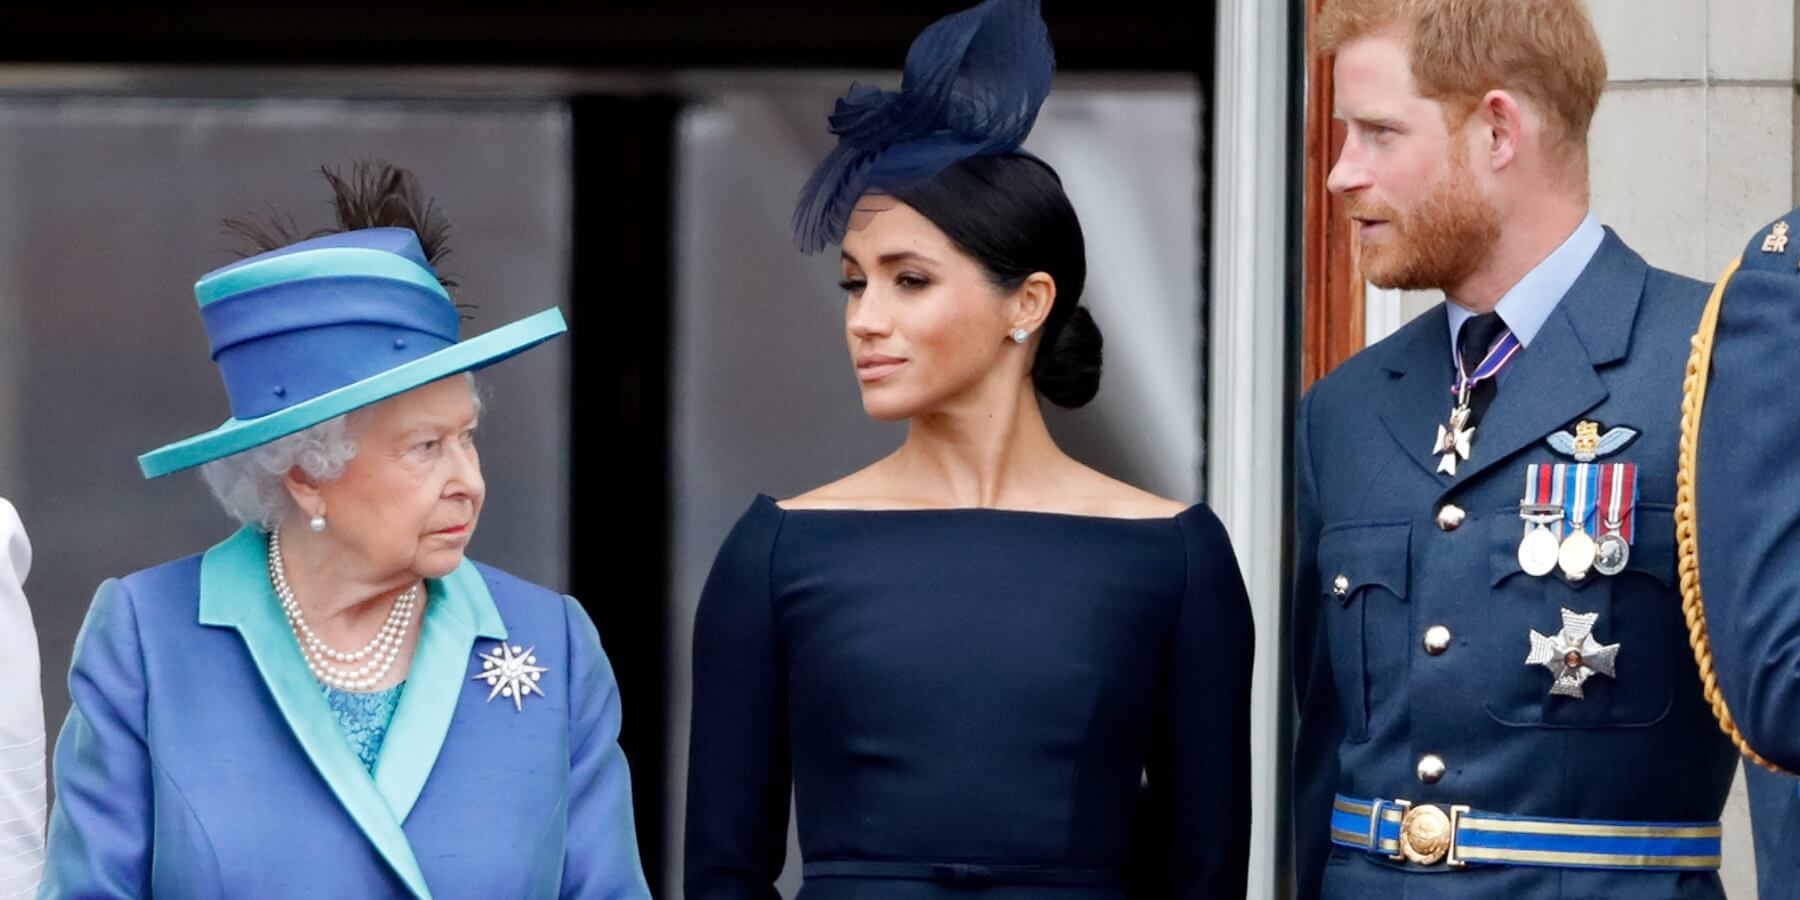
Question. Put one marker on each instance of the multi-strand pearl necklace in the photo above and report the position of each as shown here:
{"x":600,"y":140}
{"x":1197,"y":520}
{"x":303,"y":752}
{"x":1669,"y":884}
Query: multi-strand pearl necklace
{"x":357,"y":670}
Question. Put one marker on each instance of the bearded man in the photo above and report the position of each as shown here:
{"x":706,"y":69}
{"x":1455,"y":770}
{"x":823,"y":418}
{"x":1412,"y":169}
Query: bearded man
{"x":1495,"y":690}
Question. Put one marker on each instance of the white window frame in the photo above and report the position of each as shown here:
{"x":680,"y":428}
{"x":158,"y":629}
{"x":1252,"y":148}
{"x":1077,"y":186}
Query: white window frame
{"x":1247,"y":371}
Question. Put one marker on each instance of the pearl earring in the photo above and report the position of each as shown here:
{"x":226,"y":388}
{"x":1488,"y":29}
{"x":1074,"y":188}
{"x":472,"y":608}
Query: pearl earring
{"x":317,"y":523}
{"x":1019,"y":335}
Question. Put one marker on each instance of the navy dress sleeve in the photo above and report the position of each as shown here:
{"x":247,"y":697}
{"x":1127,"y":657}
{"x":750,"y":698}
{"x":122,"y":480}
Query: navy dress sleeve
{"x":1199,"y":759}
{"x":739,"y":775}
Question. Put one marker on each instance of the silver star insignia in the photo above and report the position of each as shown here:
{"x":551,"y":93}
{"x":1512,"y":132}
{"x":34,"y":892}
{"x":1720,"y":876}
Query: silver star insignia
{"x":511,"y":671}
{"x":1572,"y":655}
{"x":1453,"y":440}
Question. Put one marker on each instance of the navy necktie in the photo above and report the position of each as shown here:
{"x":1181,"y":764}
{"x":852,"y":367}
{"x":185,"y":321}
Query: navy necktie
{"x":1476,"y":337}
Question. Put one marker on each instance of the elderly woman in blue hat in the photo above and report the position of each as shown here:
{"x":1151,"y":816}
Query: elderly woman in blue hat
{"x":335,"y":701}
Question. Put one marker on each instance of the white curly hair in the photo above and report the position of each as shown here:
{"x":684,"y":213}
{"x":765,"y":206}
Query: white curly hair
{"x":249,"y":483}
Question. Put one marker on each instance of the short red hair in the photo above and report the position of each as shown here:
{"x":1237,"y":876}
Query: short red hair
{"x":1544,"y":50}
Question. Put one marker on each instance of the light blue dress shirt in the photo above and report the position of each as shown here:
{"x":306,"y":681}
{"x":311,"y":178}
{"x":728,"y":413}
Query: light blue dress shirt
{"x":1529,"y":302}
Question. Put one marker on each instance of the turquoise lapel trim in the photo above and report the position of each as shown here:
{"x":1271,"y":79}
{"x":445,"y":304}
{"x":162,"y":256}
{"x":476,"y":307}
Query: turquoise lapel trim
{"x":235,"y":593}
{"x":458,"y":609}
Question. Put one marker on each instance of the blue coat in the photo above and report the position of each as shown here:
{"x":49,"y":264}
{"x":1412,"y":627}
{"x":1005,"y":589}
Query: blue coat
{"x":200,"y":759}
{"x":1641,"y":747}
{"x":1747,"y":506}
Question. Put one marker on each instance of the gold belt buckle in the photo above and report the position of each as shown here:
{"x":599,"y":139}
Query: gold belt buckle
{"x":1428,"y":833}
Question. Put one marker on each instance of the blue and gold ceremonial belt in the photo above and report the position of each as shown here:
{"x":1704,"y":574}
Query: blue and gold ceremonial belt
{"x":1429,"y":834}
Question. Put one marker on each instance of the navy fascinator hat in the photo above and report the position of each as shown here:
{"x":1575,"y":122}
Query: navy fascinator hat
{"x":972,"y":86}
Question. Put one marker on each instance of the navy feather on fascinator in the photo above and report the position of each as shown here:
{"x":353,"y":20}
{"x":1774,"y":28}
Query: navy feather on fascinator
{"x":972,"y":87}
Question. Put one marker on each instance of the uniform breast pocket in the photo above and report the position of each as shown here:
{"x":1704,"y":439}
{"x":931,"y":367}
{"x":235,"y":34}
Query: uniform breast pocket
{"x":1360,"y":564}
{"x":1636,"y":609}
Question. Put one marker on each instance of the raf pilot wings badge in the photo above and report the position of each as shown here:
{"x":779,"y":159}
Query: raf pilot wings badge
{"x":1587,"y":443}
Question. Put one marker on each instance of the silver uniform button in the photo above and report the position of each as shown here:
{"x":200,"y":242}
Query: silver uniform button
{"x":1437,"y":639}
{"x":1340,"y":585}
{"x":1450,"y":517}
{"x":1431,"y":768}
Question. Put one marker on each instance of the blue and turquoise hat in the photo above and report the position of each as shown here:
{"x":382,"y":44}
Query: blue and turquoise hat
{"x":316,"y":329}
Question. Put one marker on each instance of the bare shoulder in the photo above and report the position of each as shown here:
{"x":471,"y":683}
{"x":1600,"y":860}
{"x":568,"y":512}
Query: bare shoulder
{"x":1078,"y":490}
{"x":1102,"y":495}
{"x":867,"y":488}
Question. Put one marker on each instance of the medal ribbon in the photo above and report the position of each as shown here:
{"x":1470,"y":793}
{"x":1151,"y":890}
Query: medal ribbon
{"x":1619,"y":483}
{"x":1498,"y":356}
{"x":1558,"y":488}
{"x":1607,"y":498}
{"x":1582,"y":479}
{"x":1536,"y":486}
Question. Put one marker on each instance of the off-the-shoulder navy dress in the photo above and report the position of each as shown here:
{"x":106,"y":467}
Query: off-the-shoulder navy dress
{"x":971,"y":698}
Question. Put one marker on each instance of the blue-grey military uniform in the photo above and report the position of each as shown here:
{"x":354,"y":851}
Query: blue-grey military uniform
{"x":1421,"y":723}
{"x":1747,"y":532}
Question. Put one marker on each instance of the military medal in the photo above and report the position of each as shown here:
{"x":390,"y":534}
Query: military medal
{"x":1572,"y":655}
{"x":1455,"y":437}
{"x":1611,"y":553}
{"x":1618,"y":497}
{"x":1538,"y":551}
{"x":1538,"y":546}
{"x":1576,"y":555}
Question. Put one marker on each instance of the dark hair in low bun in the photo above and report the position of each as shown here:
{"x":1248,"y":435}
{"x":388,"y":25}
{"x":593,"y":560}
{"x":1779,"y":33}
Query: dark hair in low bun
{"x":1067,"y":371}
{"x":1011,"y":215}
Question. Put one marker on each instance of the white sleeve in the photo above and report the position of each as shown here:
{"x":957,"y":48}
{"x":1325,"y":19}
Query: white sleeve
{"x":23,"y":793}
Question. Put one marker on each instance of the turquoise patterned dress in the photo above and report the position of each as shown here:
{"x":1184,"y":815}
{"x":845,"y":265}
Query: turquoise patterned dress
{"x":364,"y":718}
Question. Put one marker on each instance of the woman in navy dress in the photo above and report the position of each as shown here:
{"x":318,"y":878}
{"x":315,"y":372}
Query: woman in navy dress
{"x":976,"y":663}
